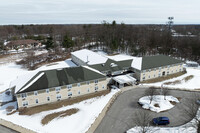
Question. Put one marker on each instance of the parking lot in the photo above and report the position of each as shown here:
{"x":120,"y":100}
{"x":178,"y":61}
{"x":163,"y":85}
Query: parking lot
{"x":120,"y":116}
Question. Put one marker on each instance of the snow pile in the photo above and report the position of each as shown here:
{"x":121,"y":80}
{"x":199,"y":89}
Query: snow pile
{"x":159,"y":102}
{"x":180,"y":129}
{"x":5,"y":97}
{"x":76,"y":123}
{"x":189,"y":85}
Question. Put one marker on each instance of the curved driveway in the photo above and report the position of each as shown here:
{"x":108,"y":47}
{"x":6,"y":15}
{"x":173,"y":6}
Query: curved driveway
{"x":120,"y":116}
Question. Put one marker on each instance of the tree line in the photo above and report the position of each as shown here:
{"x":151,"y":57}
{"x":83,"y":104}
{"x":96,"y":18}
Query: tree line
{"x":137,"y":40}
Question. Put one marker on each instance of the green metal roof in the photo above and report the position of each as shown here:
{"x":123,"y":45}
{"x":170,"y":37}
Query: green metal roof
{"x":107,"y":66}
{"x":149,"y":62}
{"x":60,"y":77}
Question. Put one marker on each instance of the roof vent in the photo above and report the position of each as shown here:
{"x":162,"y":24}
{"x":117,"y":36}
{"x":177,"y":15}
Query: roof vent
{"x":113,"y":64}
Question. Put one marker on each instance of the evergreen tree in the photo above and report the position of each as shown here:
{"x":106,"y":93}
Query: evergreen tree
{"x":49,"y":43}
{"x":67,"y":42}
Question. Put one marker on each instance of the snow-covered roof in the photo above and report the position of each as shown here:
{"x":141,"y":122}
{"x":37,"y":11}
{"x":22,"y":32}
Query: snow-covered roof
{"x":191,"y":62}
{"x":89,"y":57}
{"x":120,"y":57}
{"x":137,"y":63}
{"x":124,"y":79}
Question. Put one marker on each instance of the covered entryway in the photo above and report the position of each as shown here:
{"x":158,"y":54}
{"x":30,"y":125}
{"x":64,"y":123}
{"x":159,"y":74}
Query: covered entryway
{"x":123,"y":80}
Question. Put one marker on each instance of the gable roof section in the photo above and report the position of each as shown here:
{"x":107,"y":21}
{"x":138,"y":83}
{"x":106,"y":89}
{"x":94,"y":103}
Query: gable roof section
{"x":118,"y":65}
{"x":59,"y":77}
{"x":89,"y":57}
{"x":149,"y":62}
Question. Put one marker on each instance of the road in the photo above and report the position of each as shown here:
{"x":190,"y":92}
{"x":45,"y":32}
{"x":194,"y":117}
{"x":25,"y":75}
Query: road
{"x":6,"y":130}
{"x":120,"y":116}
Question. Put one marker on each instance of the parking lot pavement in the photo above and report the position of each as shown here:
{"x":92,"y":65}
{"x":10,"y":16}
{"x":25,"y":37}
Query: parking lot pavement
{"x":120,"y":116}
{"x":6,"y":130}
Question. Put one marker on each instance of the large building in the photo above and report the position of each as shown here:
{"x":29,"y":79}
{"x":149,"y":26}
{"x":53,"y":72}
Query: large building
{"x":93,"y":73}
{"x":59,"y":84}
{"x":144,"y":68}
{"x":151,"y":67}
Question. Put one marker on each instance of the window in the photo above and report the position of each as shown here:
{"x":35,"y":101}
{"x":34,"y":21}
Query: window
{"x":79,"y":92}
{"x":69,"y":94}
{"x":149,"y":76}
{"x":159,"y":75}
{"x":96,"y":81}
{"x":88,"y":89}
{"x":23,"y":95}
{"x":35,"y":93}
{"x":96,"y":88}
{"x":36,"y":101}
{"x":69,"y":87}
{"x":149,"y":70}
{"x":48,"y":98}
{"x":25,"y":103}
{"x":58,"y":96}
{"x":160,"y":69}
{"x":47,"y":90}
{"x":78,"y":84}
{"x":57,"y":89}
{"x":143,"y":78}
{"x":88,"y":82}
{"x":102,"y":86}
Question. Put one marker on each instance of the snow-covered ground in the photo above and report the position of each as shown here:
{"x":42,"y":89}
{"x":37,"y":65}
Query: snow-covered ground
{"x":14,"y":74}
{"x":189,"y":85}
{"x":163,"y":103}
{"x":76,"y":123}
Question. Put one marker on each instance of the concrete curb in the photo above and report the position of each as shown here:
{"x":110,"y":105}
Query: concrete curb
{"x":98,"y":120}
{"x":15,"y":127}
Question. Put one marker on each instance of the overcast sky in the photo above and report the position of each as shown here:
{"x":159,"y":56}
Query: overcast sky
{"x":95,"y":11}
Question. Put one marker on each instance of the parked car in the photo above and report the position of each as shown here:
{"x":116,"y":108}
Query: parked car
{"x":161,"y":121}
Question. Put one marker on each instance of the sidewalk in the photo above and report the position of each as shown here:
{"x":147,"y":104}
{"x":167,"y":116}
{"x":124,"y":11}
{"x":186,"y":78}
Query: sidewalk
{"x":15,"y":127}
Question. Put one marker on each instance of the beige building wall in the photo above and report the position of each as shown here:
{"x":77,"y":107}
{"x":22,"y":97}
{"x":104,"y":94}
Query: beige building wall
{"x":42,"y":95}
{"x":158,"y":72}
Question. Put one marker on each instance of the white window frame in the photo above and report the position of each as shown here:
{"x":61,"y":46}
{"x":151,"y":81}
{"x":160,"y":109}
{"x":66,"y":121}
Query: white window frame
{"x":96,"y":81}
{"x":69,"y":87}
{"x":23,"y":95}
{"x":78,"y":84}
{"x":48,"y":99}
{"x":69,"y":94}
{"x":25,"y":103}
{"x":35,"y":93}
{"x":47,"y":90}
{"x":58,"y":96}
{"x":57,"y":89}
{"x":36,"y":101}
{"x":96,"y":88}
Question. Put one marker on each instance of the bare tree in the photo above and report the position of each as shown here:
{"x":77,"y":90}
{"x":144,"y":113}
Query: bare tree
{"x":164,"y":91}
{"x":150,"y":93}
{"x":142,"y":120}
{"x":191,"y":110}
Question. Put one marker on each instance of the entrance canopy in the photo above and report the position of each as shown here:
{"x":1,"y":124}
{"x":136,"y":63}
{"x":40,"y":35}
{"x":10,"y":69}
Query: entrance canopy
{"x":122,"y":79}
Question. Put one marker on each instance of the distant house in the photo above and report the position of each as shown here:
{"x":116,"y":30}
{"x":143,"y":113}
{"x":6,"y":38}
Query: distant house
{"x":151,"y":67}
{"x":23,"y":44}
{"x":59,"y":84}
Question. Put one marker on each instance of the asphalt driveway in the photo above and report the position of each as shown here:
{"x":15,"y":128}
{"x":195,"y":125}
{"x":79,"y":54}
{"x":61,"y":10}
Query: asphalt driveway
{"x":6,"y":130}
{"x":120,"y":116}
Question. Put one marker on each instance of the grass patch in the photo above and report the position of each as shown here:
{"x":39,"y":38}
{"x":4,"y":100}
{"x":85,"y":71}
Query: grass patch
{"x":52,"y":116}
{"x":59,"y":104}
{"x":188,"y":78}
{"x":164,"y":78}
{"x":173,"y":82}
{"x":156,"y":105}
